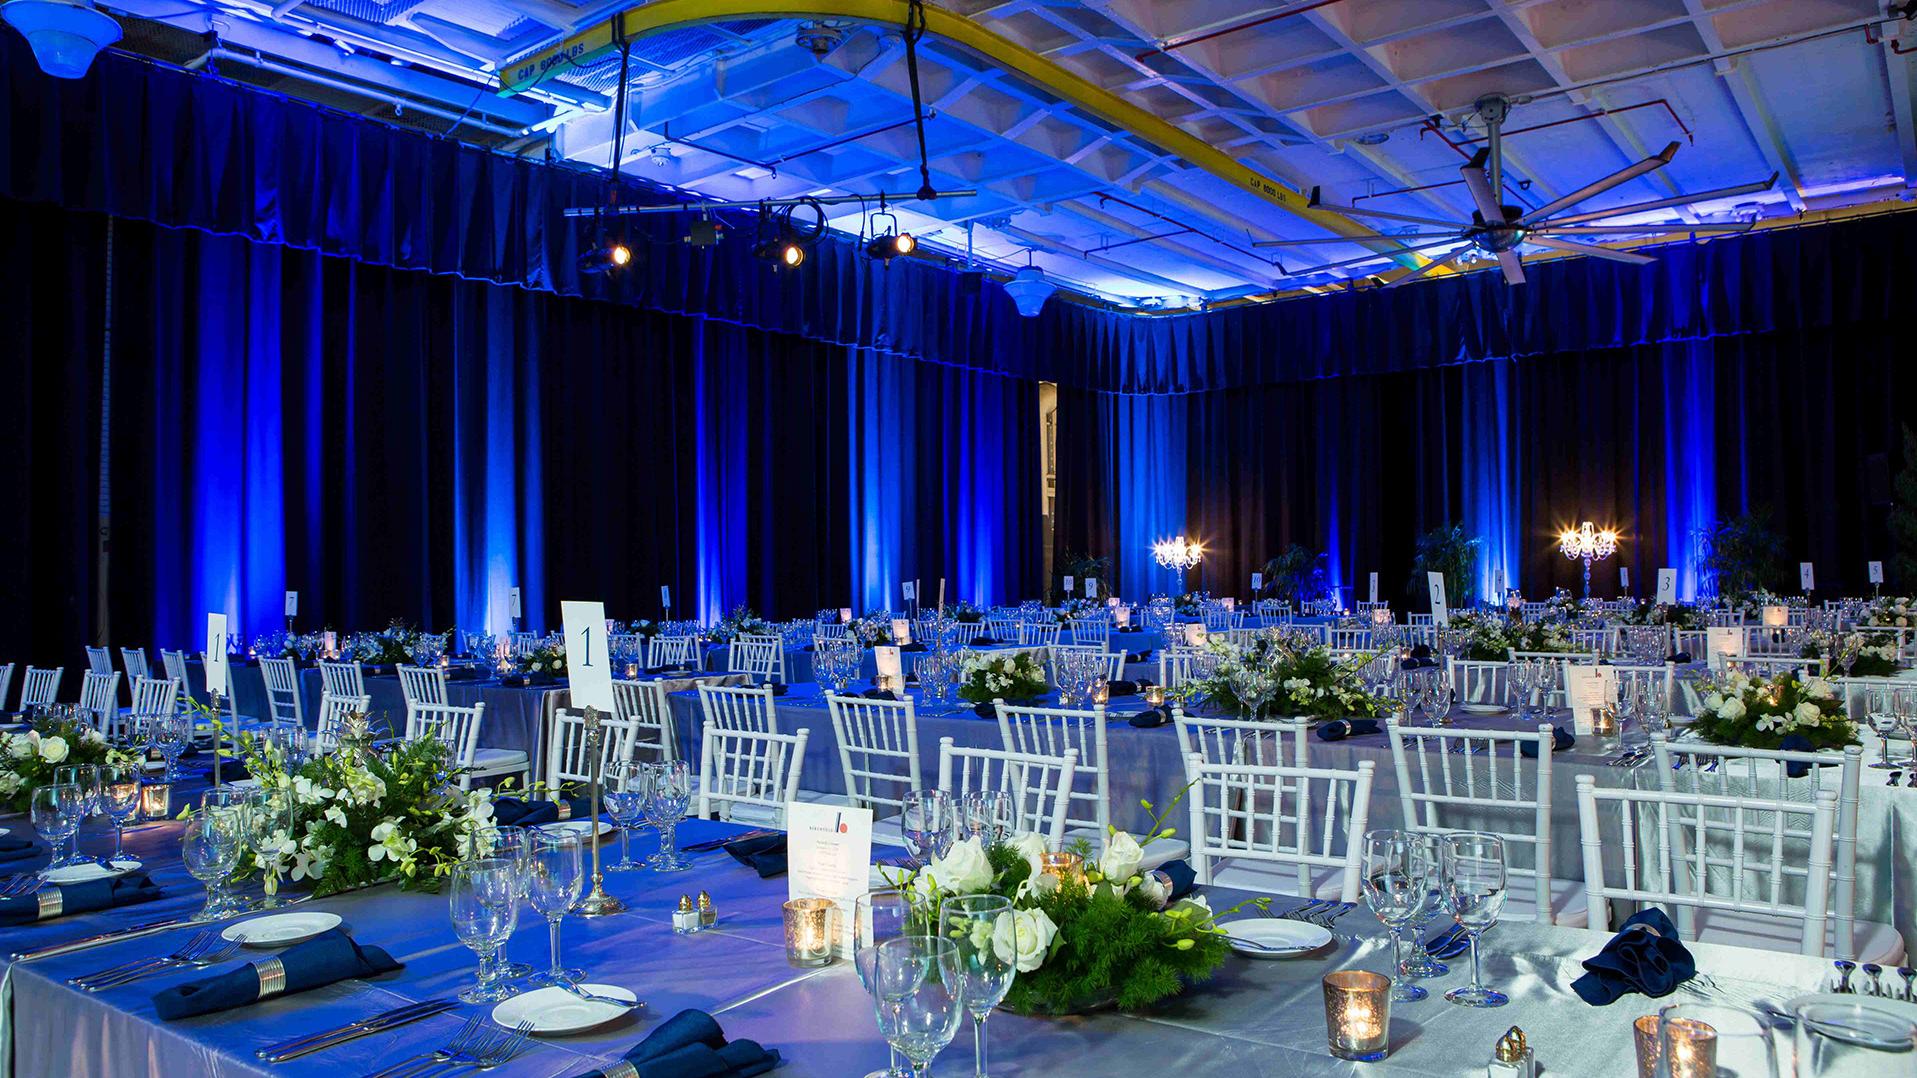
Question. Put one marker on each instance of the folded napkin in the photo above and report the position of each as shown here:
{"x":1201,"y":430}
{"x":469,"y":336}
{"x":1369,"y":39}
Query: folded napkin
{"x":691,"y":1045}
{"x":1184,"y":879}
{"x":1138,"y":656}
{"x":1114,"y":689}
{"x":1156,"y":716}
{"x":1561,"y":739}
{"x":1645,"y":956}
{"x":82,"y":897}
{"x":982,"y":641}
{"x":1679,"y":657}
{"x":912,"y":647}
{"x":1449,"y":943}
{"x":880,"y":694}
{"x":516,"y":812}
{"x":1339,"y":729}
{"x":985,"y":710}
{"x":1790,"y":743}
{"x":764,"y":854}
{"x":326,"y":958}
{"x":16,"y":849}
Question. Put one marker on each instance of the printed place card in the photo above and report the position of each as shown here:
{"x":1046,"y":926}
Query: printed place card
{"x":1588,"y":689}
{"x":887,"y":662}
{"x":828,"y":854}
{"x":1721,"y":643}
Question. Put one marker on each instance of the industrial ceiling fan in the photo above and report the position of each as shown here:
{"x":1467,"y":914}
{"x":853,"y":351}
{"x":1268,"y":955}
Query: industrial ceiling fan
{"x":1499,"y":230}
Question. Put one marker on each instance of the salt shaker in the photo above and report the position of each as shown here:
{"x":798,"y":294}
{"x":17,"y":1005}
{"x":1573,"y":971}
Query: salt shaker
{"x":1512,"y":1057}
{"x":685,"y":919}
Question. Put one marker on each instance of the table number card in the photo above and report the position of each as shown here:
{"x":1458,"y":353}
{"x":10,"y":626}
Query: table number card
{"x":1440,"y":613}
{"x":887,"y":663}
{"x":1876,"y":572}
{"x":512,"y":604}
{"x":218,"y":673}
{"x":909,"y":590}
{"x":292,"y":604}
{"x":1091,"y":587}
{"x":588,"y":671}
{"x":1624,"y":578}
{"x":1068,"y":585}
{"x":1806,"y":578}
{"x":1257,"y":583}
{"x":901,"y":631}
{"x":1723,"y":642}
{"x":1374,"y":587}
{"x":1667,"y":586}
{"x":665,"y":596}
{"x":828,"y":854}
{"x":1588,"y":689}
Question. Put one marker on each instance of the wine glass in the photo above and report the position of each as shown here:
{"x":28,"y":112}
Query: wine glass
{"x":483,"y":900}
{"x":56,"y":811}
{"x":1905,"y":708}
{"x":929,"y":825}
{"x":1418,"y":962}
{"x":878,"y":916}
{"x":1474,"y":882}
{"x":120,"y":793}
{"x":625,"y":792}
{"x":1881,"y":708}
{"x":514,"y":845}
{"x":916,"y":991}
{"x":170,"y":735}
{"x":985,"y":971}
{"x":268,"y":821}
{"x":668,"y":791}
{"x":87,"y":778}
{"x":1394,"y":886}
{"x":555,"y":874}
{"x":987,"y":815}
{"x":210,"y":847}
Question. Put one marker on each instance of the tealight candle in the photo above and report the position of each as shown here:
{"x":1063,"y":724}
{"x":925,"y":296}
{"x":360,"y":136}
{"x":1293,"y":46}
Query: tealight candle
{"x":1155,"y":695}
{"x":156,"y":801}
{"x":808,"y":932}
{"x":1357,"y":1014}
{"x":1102,"y":693}
{"x":1604,"y":721}
{"x":1690,"y":1048}
{"x":1644,"y":1032}
{"x":1062,"y":866}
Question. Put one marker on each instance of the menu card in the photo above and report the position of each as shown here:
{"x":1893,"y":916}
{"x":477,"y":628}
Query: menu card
{"x":829,"y":855}
{"x":1588,"y":689}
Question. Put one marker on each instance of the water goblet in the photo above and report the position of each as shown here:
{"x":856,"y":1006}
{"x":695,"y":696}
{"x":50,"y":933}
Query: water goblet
{"x":120,"y":793}
{"x":210,"y":847}
{"x":514,"y":845}
{"x":1418,"y":962}
{"x":483,"y":900}
{"x":929,"y":825}
{"x":1394,"y":887}
{"x":87,"y":778}
{"x":878,"y":916}
{"x":985,"y":973}
{"x":668,"y":791}
{"x":267,"y":819}
{"x":171,"y":734}
{"x":1474,"y":889}
{"x":1881,"y":710}
{"x":987,"y":815}
{"x":916,"y":993}
{"x":56,"y":811}
{"x":555,"y":877}
{"x":626,"y":793}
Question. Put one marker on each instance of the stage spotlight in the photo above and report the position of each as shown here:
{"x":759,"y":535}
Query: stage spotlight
{"x":608,"y":255}
{"x":783,"y":241}
{"x":780,"y":251}
{"x":891,"y":245}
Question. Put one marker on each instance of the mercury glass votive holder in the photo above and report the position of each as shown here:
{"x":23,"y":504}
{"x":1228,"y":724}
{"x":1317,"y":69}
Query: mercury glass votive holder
{"x":1155,"y":695}
{"x":1357,"y":1014}
{"x":808,"y":932}
{"x":156,"y":801}
{"x":1062,"y":866}
{"x":1644,"y":1033}
{"x":1690,"y":1047}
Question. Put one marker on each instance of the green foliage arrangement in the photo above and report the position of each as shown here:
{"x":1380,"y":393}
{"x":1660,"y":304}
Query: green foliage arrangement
{"x":1492,"y":637}
{"x":1676,"y":615}
{"x":1298,"y":574}
{"x":1746,"y":554}
{"x":1758,"y":712}
{"x":1860,"y":655}
{"x":743,"y":621}
{"x":1281,"y":675}
{"x":1447,"y":549}
{"x":999,"y":675}
{"x":1080,"y":567}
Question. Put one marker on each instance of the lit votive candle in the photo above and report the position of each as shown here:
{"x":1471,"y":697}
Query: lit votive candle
{"x":1644,"y":1032}
{"x":1380,"y":615}
{"x":1690,"y":1048}
{"x":1062,"y":866}
{"x":808,"y":932}
{"x":1102,"y":694}
{"x":156,"y":801}
{"x":1155,"y":695}
{"x":1357,"y":1014}
{"x":1604,"y":722}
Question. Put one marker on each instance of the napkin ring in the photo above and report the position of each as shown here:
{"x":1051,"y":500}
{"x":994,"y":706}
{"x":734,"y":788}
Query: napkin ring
{"x":621,"y":1069}
{"x":53,"y":902}
{"x":564,"y":808}
{"x":272,"y":974}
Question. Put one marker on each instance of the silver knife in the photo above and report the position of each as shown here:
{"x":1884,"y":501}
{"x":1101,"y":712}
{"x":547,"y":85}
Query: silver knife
{"x":69,"y":947}
{"x":365,"y":1027}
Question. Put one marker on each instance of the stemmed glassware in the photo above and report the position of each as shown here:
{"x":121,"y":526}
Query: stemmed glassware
{"x":1474,"y":887}
{"x":1881,"y":707}
{"x":1905,"y":707}
{"x":668,"y":786}
{"x":227,"y":807}
{"x":514,"y":845}
{"x":1419,"y":962}
{"x":170,"y":735}
{"x":626,"y":795}
{"x":1395,"y":878}
{"x":985,"y":973}
{"x":266,"y":815}
{"x":120,"y":795}
{"x":916,"y":990}
{"x":92,"y":802}
{"x":483,"y":901}
{"x":210,"y":847}
{"x":987,"y":815}
{"x":56,"y":811}
{"x":555,"y":877}
{"x":878,"y":916}
{"x":929,"y":824}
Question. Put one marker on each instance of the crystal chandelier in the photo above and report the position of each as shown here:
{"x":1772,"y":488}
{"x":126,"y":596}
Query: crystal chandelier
{"x":1178,"y":555}
{"x":1586,"y":543}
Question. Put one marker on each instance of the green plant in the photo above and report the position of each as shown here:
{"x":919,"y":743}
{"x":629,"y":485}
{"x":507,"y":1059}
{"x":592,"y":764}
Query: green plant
{"x":1297,"y":574}
{"x":1746,"y":554}
{"x":1080,"y":567}
{"x":1903,"y":517}
{"x":1447,"y":549}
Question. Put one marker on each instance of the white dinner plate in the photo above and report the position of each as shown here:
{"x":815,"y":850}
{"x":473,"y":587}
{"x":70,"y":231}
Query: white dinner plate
{"x":555,"y":1010}
{"x":1484,"y":709}
{"x":1274,"y":937}
{"x":280,"y":929}
{"x":90,"y":871}
{"x":4,"y":831}
{"x":582,"y":828}
{"x":1867,"y":1033}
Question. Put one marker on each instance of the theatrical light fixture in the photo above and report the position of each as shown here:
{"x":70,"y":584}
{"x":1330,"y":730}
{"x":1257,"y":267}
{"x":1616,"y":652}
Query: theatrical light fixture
{"x":65,"y":35}
{"x":780,"y":251}
{"x":607,"y":255}
{"x":782,"y":241}
{"x":892,"y":242}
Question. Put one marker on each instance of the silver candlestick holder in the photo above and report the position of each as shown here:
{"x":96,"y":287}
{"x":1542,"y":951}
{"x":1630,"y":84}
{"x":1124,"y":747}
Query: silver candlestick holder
{"x":597,"y":902}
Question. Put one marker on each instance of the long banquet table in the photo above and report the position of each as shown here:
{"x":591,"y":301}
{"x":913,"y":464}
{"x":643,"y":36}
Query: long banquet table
{"x":1254,"y":1017}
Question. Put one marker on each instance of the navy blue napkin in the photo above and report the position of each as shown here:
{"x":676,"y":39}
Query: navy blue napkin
{"x":985,"y":710}
{"x":1184,"y":878}
{"x":16,"y":849}
{"x":1114,"y":689}
{"x":1679,"y":657}
{"x":82,"y":897}
{"x":326,"y":958}
{"x":764,"y":854}
{"x":1645,"y":956}
{"x":1157,"y":716}
{"x":516,"y":812}
{"x":982,"y":641}
{"x":691,"y":1045}
{"x":880,"y":694}
{"x":1449,"y":943}
{"x":1339,"y":729}
{"x":1796,"y":743}
{"x":1561,"y":739}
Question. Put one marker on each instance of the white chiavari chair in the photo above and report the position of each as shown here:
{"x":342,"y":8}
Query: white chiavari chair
{"x":421,"y":686}
{"x":1345,"y":638}
{"x":6,"y":683}
{"x":1217,"y":620}
{"x":1260,"y":818}
{"x":1421,"y":619}
{"x":1599,"y":641}
{"x":1037,"y":636}
{"x":621,"y":644}
{"x":830,"y":630}
{"x":153,"y":698}
{"x":100,"y":660}
{"x":133,"y":664}
{"x":342,"y":678}
{"x":1480,"y":684}
{"x":282,"y":678}
{"x":878,"y":753}
{"x":41,"y":687}
{"x":673,"y":651}
{"x":964,"y":632}
{"x":739,"y":707}
{"x":1040,"y":786}
{"x":1532,"y":611}
{"x":458,"y":729}
{"x":1692,"y":642}
{"x":1091,"y":632}
{"x":749,"y":776}
{"x":1693,"y":767}
{"x":1003,"y":630}
{"x":334,"y":707}
{"x":641,"y":707}
{"x":1659,"y":680}
{"x":1777,"y":666}
{"x":1054,"y":731}
{"x":1238,"y":741}
{"x":567,"y":760}
{"x":1745,"y":847}
{"x":522,"y":642}
{"x":174,"y":663}
{"x":1480,"y":780}
{"x":100,"y":699}
{"x":761,"y":657}
{"x":1554,"y":695}
{"x":1177,"y":665}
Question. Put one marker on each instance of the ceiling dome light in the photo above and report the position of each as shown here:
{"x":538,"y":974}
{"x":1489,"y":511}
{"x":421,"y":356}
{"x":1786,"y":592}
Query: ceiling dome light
{"x":1029,"y":289}
{"x":65,"y":35}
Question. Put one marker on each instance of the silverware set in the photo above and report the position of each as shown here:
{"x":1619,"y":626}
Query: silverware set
{"x":1319,"y":911}
{"x":1876,"y":981}
{"x":205,"y":948}
{"x":478,"y":1045}
{"x":717,"y":843}
{"x":364,"y":1027}
{"x":14,"y":886}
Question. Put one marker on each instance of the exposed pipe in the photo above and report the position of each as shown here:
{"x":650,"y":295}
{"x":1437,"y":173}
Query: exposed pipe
{"x":1896,"y":43}
{"x":360,"y":89}
{"x":1594,"y":114}
{"x":1208,"y":35}
{"x":1106,"y":196}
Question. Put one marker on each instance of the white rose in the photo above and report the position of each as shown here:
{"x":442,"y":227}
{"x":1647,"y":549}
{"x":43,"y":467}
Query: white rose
{"x":1713,"y":702}
{"x":20,"y":747}
{"x":1818,"y":689}
{"x":1808,"y":714}
{"x":53,"y":749}
{"x":963,"y":871}
{"x":1120,"y":859}
{"x":1731,"y":709}
{"x":1032,"y":847}
{"x":1023,"y":937}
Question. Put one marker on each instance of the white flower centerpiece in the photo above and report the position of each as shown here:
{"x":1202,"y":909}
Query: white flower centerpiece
{"x":1000,"y":675}
{"x":28,"y":759}
{"x":1759,"y":712}
{"x":1283,"y":675}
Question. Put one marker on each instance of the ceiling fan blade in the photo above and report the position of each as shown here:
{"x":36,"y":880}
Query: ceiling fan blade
{"x":1629,"y":172}
{"x":1481,"y":194}
{"x":1513,"y":267}
{"x":1365,"y":211}
{"x":1372,"y":257}
{"x":1350,"y":239}
{"x":1555,"y":229}
{"x":1674,"y":200}
{"x":1591,"y":249}
{"x":1424,"y":269}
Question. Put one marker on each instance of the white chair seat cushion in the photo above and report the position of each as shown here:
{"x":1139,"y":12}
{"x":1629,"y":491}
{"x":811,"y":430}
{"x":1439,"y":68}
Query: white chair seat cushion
{"x":1570,"y":907}
{"x":1271,"y":878}
{"x":487,"y":761}
{"x":1875,"y":942}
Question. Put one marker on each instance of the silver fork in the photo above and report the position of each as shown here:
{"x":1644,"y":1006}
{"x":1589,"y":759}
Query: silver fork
{"x":15,"y":886}
{"x":503,"y":1052}
{"x":1304,"y":913}
{"x":495,"y":1046}
{"x":210,"y":952}
{"x":470,"y":1033}
{"x":198,"y":942}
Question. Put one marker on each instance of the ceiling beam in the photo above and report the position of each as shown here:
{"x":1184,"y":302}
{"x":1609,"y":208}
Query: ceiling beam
{"x":1902,"y":72}
{"x":1757,"y":117}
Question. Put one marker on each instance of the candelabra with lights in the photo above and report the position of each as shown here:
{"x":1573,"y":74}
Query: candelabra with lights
{"x":1178,"y":555}
{"x":1585,"y":542}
